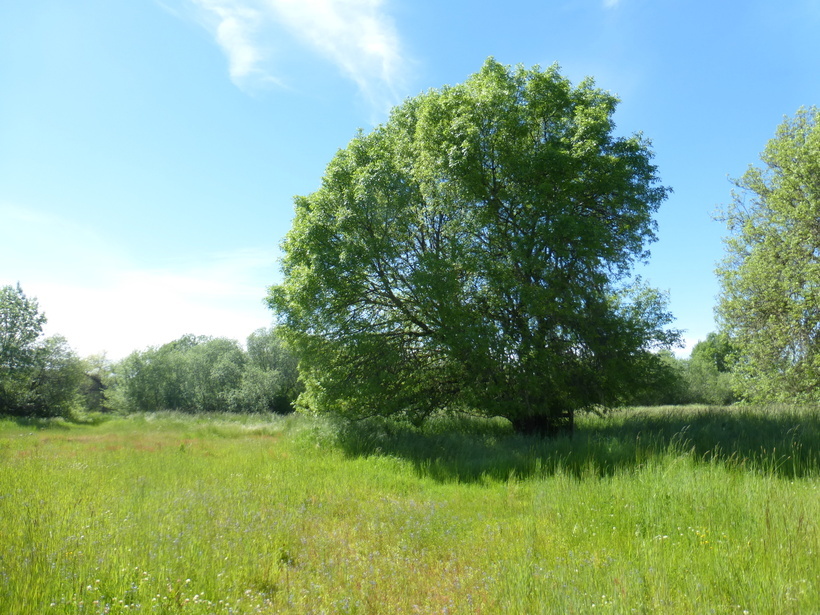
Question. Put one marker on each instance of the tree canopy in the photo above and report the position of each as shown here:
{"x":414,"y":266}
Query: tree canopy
{"x":474,"y":253}
{"x":21,"y":325}
{"x":204,"y":374}
{"x":43,"y":377}
{"x":38,"y":377}
{"x":770,"y":301}
{"x":708,"y":371}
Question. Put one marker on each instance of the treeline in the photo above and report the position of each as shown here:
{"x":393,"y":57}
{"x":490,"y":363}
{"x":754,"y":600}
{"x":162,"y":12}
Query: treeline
{"x":43,"y":377}
{"x":204,"y":374}
{"x":703,"y":378}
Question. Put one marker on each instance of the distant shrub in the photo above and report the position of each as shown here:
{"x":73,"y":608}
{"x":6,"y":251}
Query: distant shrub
{"x":202,"y":374}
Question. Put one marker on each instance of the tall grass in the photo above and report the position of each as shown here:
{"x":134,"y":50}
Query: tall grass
{"x":673,"y":510}
{"x":780,"y":439}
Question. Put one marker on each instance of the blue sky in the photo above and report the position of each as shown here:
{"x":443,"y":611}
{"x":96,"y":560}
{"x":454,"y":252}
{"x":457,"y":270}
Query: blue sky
{"x":150,"y":149}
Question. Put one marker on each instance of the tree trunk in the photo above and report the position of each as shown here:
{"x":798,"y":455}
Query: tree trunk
{"x":545,"y":425}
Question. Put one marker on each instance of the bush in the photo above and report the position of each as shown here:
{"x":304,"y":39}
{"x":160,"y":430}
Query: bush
{"x":202,"y":374}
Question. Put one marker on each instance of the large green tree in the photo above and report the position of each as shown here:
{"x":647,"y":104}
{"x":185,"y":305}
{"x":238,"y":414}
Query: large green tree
{"x":474,"y":253}
{"x":770,"y":301}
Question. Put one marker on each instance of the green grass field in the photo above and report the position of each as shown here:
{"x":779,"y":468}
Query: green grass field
{"x":670,"y":510}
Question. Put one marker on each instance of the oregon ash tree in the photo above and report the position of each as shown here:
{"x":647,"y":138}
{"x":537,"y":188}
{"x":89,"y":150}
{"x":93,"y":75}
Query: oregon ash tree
{"x":474,"y":253}
{"x":770,"y":304}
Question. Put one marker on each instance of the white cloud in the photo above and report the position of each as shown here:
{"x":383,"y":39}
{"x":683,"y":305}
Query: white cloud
{"x":611,"y":4}
{"x":234,"y":35}
{"x":100,"y":299}
{"x":357,"y":36}
{"x":239,"y":27}
{"x":137,"y":308}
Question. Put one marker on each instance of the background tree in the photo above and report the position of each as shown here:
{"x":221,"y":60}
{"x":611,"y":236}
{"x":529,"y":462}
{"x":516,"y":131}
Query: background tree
{"x":152,"y":379}
{"x":137,"y":386}
{"x":57,"y":379}
{"x":474,"y":252}
{"x":670,"y":386}
{"x":38,"y":377}
{"x":175,"y":376}
{"x":213,"y":375}
{"x":708,"y":371}
{"x":770,"y":302}
{"x":271,"y":379}
{"x":21,"y":326}
{"x":203,"y":374}
{"x":97,"y":389}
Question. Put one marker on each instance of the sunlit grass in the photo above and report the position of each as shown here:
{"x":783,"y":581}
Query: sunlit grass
{"x":696,"y":510}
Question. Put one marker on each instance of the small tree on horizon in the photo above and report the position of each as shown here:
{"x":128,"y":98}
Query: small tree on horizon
{"x":475,"y":253}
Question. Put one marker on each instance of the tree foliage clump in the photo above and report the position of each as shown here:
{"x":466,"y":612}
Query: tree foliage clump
{"x":708,"y":371}
{"x":770,"y":301}
{"x":703,"y":378}
{"x":39,"y":376}
{"x":475,"y":252}
{"x":43,"y":377}
{"x":21,"y":326}
{"x":200,"y":374}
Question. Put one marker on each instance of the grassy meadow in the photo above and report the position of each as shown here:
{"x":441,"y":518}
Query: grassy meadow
{"x":666,"y":510}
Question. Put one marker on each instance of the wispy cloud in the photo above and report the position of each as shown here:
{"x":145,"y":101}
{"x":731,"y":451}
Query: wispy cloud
{"x":238,"y":26}
{"x":357,"y":36}
{"x":611,"y":4}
